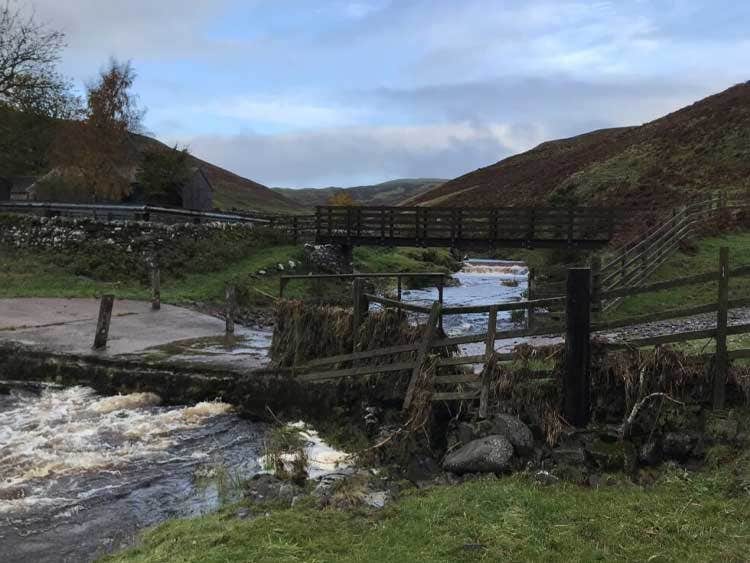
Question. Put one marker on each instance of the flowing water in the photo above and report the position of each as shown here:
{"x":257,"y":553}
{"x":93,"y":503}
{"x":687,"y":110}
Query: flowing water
{"x":81,"y":474}
{"x":480,"y":282}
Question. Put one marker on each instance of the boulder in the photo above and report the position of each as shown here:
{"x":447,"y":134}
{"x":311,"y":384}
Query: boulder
{"x":490,"y":454}
{"x":515,"y":431}
{"x":326,"y":258}
{"x":264,"y":487}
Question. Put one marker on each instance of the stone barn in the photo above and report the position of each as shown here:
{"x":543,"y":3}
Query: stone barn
{"x":197,"y":192}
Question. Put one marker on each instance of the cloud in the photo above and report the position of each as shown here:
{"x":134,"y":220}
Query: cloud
{"x":354,"y":155}
{"x":351,"y":91}
{"x":280,"y":111}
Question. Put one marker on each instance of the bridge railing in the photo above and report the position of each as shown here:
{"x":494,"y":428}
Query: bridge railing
{"x":435,"y":225}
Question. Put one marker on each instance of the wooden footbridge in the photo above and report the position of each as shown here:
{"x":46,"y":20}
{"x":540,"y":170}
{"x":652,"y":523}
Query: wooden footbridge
{"x":460,"y":227}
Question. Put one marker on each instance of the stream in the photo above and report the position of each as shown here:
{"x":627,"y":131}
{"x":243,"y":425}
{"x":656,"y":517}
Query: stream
{"x":480,"y":282}
{"x":82,"y":474}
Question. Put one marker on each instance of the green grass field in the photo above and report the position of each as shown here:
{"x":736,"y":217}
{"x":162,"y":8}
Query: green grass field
{"x":705,"y":259}
{"x":684,"y":517}
{"x":36,"y":274}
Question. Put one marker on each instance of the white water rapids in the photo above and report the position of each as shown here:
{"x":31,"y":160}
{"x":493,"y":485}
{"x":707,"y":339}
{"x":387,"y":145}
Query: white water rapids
{"x":481,"y":282}
{"x":81,"y":474}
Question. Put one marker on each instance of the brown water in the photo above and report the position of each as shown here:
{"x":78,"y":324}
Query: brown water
{"x":81,"y":474}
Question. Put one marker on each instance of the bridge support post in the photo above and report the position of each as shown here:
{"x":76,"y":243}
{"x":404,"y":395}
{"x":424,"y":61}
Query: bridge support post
{"x":577,"y":376}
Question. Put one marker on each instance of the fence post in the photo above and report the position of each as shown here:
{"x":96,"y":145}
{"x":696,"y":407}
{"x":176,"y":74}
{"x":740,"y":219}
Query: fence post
{"x":530,"y":297}
{"x":576,"y":379}
{"x":596,"y":283}
{"x":230,"y":295}
{"x":155,"y":288}
{"x":721,"y":361}
{"x":489,"y":352}
{"x":102,"y":325}
{"x":422,"y":352}
{"x":398,"y":282}
{"x":357,"y":310}
{"x":282,"y":285}
{"x":440,"y":300}
{"x":295,"y":234}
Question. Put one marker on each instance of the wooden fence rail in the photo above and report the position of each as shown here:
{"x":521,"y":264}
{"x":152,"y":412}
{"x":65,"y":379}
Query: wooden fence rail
{"x":578,"y":331}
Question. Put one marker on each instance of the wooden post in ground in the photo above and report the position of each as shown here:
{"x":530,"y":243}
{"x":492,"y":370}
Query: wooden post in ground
{"x":576,"y":379}
{"x":358,"y":314}
{"x":530,"y":297}
{"x":102,"y":325}
{"x":440,"y":288}
{"x":424,"y":349}
{"x":489,"y":355}
{"x":282,"y":285}
{"x":398,"y":283}
{"x":596,"y":283}
{"x":721,"y":362}
{"x":155,"y":288}
{"x":230,"y":298}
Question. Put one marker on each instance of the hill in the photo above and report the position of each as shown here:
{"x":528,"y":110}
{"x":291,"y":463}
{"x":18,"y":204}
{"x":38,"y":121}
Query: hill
{"x":232,"y":191}
{"x":25,"y":140}
{"x":699,"y":148}
{"x":392,"y":192}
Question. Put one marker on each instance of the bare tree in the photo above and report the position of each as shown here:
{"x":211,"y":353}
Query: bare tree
{"x":29,"y":53}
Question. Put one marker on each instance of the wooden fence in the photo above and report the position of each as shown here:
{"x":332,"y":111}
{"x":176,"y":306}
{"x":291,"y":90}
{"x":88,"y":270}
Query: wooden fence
{"x":578,"y":330}
{"x":637,"y":261}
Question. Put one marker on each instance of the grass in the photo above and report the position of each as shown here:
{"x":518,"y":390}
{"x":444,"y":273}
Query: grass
{"x":194,"y":275}
{"x":689,"y":517}
{"x":705,"y":259}
{"x":37,"y":274}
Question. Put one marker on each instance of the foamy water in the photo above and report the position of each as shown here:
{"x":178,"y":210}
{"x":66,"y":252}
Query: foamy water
{"x":73,"y":431}
{"x":481,"y":282}
{"x":82,"y":474}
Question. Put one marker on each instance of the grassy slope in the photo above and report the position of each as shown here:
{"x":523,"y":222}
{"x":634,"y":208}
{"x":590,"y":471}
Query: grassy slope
{"x":232,"y":191}
{"x":691,"y":518}
{"x":25,"y":142}
{"x":34,"y":274}
{"x":705,"y":146}
{"x":705,"y":259}
{"x":392,"y":192}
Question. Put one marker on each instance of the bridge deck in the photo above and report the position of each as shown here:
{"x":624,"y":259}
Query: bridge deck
{"x":464,"y":227}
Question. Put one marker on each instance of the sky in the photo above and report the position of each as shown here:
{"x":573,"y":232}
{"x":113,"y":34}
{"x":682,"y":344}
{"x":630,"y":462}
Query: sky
{"x":311,"y":93}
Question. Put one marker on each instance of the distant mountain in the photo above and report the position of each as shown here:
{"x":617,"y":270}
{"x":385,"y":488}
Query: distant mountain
{"x":702,"y":147}
{"x":25,"y":140}
{"x":393,"y":192}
